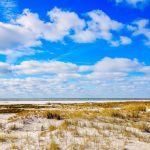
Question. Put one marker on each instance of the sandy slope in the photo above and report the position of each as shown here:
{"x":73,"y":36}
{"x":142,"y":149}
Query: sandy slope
{"x":34,"y":133}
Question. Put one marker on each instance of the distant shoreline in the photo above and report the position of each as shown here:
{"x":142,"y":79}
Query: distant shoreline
{"x":68,"y":99}
{"x":71,"y":101}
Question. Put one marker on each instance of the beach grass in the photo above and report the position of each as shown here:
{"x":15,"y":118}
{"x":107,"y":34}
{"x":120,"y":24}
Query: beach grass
{"x":76,"y":126}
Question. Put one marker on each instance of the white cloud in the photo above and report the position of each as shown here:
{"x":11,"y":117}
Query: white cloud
{"x":134,"y":3}
{"x":36,"y":67}
{"x":125,"y":40}
{"x":85,"y":36}
{"x":145,"y":69}
{"x":63,"y":22}
{"x":19,"y":44}
{"x":29,"y":30}
{"x":5,"y":69}
{"x":60,"y":25}
{"x":102,"y":79}
{"x":30,"y":21}
{"x":12,"y":54}
{"x":21,"y":37}
{"x":101,"y":21}
{"x":139,"y":27}
{"x":100,"y":26}
{"x":116,"y":65}
{"x":122,"y":41}
{"x":106,"y":65}
{"x":58,"y":87}
{"x":69,"y":24}
{"x":8,"y":9}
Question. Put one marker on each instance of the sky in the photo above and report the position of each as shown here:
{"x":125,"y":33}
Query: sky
{"x":75,"y":49}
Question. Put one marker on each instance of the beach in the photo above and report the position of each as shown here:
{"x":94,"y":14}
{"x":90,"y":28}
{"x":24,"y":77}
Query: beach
{"x":67,"y":101}
{"x":74,"y":125}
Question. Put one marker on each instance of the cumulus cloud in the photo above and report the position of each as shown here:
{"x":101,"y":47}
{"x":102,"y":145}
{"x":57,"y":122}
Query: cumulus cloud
{"x":122,"y":41}
{"x":100,"y":26}
{"x":106,"y":65}
{"x":35,"y":67}
{"x":57,"y":78}
{"x":69,"y":24}
{"x":64,"y":22}
{"x":60,"y":25}
{"x":89,"y":87}
{"x":125,"y":40}
{"x":5,"y":69}
{"x":21,"y":37}
{"x":29,"y":30}
{"x":116,"y":65}
{"x":16,"y":41}
{"x":140,"y":27}
{"x":145,"y":69}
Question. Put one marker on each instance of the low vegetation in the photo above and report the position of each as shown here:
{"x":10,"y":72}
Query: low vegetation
{"x":53,"y":146}
{"x":75,"y":126}
{"x":52,"y":128}
{"x":53,"y":115}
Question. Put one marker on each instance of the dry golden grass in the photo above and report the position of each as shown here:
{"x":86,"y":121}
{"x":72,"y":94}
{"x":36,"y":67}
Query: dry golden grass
{"x":53,"y":146}
{"x":112,"y":113}
{"x":3,"y":138}
{"x":14,"y":127}
{"x":53,"y":115}
{"x":14,"y":147}
{"x":145,"y":127}
{"x":52,"y":128}
{"x":104,"y":105}
{"x":126,"y":111}
{"x":64,"y":125}
{"x":7,"y":137}
{"x":76,"y":146}
{"x":15,"y":108}
{"x":135,"y":107}
{"x":93,"y":121}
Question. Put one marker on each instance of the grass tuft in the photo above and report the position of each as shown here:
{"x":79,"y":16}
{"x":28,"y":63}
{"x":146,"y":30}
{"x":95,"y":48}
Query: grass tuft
{"x":53,"y":115}
{"x":53,"y":146}
{"x":64,"y":125}
{"x":52,"y":128}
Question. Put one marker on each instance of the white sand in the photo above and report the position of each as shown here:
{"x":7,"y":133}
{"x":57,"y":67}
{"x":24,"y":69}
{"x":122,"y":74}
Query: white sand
{"x":64,"y":102}
{"x":94,"y":134}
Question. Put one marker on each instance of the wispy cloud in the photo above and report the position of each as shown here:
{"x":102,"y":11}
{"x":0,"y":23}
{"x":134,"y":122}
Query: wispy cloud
{"x":8,"y":9}
{"x":134,"y":3}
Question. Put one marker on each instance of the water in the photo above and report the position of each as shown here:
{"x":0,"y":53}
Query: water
{"x":74,"y":99}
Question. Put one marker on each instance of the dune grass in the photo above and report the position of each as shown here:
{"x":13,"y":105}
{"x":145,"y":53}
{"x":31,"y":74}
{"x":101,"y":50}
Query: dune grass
{"x":125,"y":111}
{"x":7,"y":137}
{"x":80,"y":126}
{"x":52,"y":128}
{"x":53,"y":146}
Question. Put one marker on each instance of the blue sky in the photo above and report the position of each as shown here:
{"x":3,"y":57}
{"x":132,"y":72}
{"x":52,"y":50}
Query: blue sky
{"x":75,"y":48}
